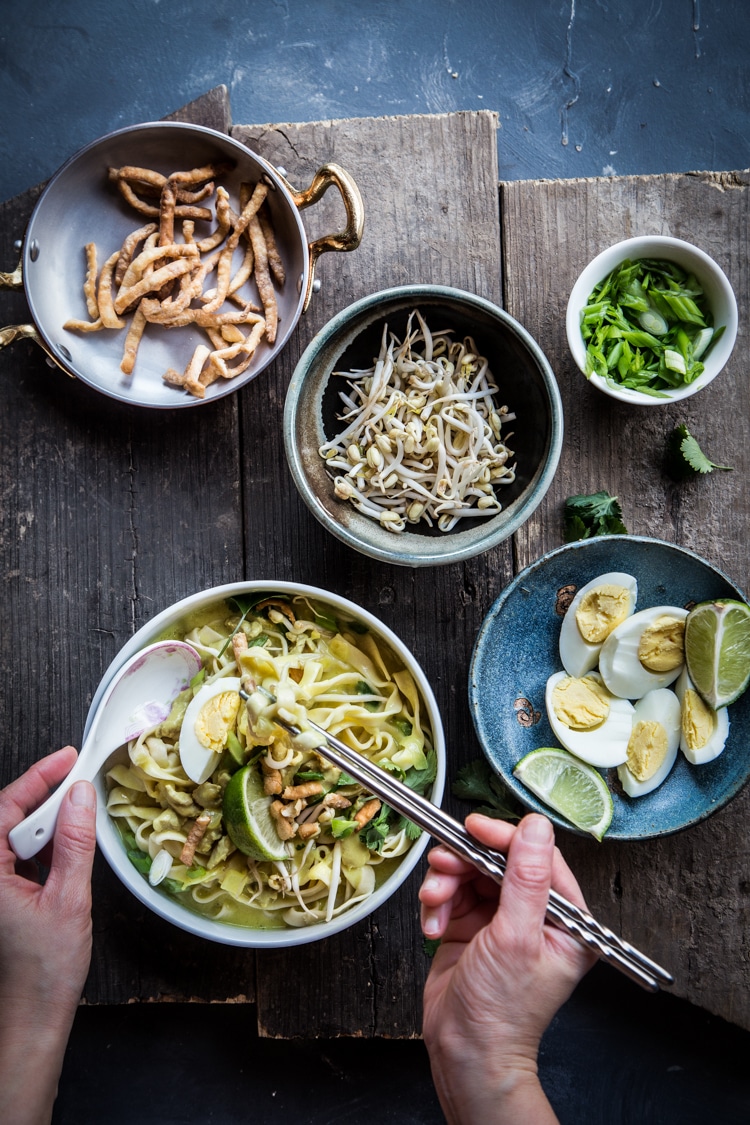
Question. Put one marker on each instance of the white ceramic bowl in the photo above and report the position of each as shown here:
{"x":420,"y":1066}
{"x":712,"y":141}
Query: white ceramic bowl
{"x":348,"y":342}
{"x":715,"y":285}
{"x":159,"y":901}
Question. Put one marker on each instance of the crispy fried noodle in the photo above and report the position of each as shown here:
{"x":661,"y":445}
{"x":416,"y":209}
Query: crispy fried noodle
{"x":164,"y":282}
{"x":337,"y":842}
{"x":422,"y":437}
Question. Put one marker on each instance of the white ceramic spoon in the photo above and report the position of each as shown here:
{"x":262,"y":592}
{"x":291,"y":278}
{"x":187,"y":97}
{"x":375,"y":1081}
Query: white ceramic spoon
{"x":140,"y":696}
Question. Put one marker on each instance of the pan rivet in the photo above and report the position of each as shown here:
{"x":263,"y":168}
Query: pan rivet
{"x":34,"y":250}
{"x":50,"y":362}
{"x":64,"y":351}
{"x":280,"y":170}
{"x":316,"y":285}
{"x":17,"y":244}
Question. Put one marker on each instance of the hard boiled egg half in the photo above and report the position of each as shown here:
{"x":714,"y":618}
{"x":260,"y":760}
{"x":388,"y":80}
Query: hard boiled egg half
{"x":703,"y":731}
{"x":587,"y":719}
{"x":653,"y":743}
{"x":597,"y":608}
{"x":645,"y":652}
{"x":210,"y":715}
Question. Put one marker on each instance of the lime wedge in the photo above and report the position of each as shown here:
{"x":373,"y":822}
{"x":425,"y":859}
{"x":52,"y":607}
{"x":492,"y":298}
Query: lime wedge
{"x":248,"y":819}
{"x":569,"y":786}
{"x":717,"y":650}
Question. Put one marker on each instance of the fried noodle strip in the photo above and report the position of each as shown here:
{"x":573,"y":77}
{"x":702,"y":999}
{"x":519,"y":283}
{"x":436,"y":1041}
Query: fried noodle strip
{"x":164,"y":282}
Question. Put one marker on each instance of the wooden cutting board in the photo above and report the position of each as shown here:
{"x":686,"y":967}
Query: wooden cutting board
{"x":111,"y":513}
{"x":685,"y":899}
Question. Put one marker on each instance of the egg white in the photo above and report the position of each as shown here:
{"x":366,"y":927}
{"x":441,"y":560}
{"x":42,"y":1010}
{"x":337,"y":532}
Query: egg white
{"x":719,"y":735}
{"x":607,"y":744}
{"x":197,"y":761}
{"x":660,"y":706}
{"x":579,"y":656}
{"x":619,"y":665}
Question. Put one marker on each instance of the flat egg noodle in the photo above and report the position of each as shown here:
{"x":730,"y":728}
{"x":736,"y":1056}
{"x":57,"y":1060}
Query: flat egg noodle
{"x":330,"y":678}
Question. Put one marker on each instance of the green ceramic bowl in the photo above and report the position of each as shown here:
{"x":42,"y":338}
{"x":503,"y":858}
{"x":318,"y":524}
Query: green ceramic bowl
{"x":351,"y":341}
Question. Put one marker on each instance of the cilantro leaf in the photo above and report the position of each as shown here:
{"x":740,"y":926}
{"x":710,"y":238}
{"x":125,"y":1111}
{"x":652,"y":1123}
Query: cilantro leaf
{"x":685,"y":459}
{"x":418,"y":780}
{"x":477,"y":781}
{"x":591,"y":515}
{"x":374,"y":833}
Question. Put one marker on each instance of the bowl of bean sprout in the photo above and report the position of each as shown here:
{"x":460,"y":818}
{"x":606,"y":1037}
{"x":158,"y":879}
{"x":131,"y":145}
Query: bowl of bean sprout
{"x":423,"y":425}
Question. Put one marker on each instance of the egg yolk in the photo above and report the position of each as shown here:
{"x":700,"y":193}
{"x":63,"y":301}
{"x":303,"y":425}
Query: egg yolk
{"x":215,"y":720}
{"x":647,"y":749}
{"x":602,"y":610}
{"x":581,"y":704}
{"x":662,"y":644}
{"x":697,"y":720}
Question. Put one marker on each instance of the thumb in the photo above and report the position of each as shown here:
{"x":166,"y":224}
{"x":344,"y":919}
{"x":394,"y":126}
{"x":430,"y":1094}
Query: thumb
{"x":74,"y":846}
{"x":528,"y":875}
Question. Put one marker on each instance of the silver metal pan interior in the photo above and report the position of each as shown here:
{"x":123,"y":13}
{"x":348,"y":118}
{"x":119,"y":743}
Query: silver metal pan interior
{"x":80,"y":205}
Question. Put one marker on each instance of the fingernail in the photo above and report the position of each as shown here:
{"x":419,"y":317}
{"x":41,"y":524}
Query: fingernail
{"x":82,"y":794}
{"x":536,"y":830}
{"x":430,"y":884}
{"x":430,"y":925}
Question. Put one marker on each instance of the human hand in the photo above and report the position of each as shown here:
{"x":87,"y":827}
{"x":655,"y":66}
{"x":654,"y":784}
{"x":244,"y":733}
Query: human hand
{"x":499,"y":974}
{"x":45,"y":938}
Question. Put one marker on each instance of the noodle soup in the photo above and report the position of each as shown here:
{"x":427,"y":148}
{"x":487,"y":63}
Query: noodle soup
{"x":268,"y":835}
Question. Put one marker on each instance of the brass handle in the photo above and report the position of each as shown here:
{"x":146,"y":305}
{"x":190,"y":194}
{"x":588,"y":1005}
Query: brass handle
{"x":18,"y":332}
{"x":13,"y":332}
{"x":348,"y":239}
{"x":29,"y":332}
{"x":13,"y":280}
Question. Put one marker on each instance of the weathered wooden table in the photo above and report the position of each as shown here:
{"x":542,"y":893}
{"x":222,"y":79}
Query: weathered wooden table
{"x":110,"y":513}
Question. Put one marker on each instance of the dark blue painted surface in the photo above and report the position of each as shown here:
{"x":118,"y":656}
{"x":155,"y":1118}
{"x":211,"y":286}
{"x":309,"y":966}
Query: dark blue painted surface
{"x":582,"y":88}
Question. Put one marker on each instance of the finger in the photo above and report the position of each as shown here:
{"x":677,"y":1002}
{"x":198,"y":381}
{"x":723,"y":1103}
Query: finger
{"x":486,"y":830}
{"x":29,"y":790}
{"x":73,"y":852}
{"x":441,"y":859}
{"x":459,"y":918}
{"x":565,"y":882}
{"x":464,"y":925}
{"x":438,"y":887}
{"x":528,"y":877}
{"x":434,"y":919}
{"x":495,"y":833}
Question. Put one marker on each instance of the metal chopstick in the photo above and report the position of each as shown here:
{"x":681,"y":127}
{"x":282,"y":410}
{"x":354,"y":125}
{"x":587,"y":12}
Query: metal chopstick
{"x":597,"y":937}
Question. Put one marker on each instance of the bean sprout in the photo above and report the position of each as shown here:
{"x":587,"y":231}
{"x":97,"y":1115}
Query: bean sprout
{"x":422,"y":433}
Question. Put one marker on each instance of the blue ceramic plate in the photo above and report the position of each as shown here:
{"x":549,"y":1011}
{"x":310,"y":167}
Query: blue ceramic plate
{"x":517,"y":650}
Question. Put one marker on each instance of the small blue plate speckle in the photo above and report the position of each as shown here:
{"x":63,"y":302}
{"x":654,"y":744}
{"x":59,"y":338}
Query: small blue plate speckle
{"x":517,"y":650}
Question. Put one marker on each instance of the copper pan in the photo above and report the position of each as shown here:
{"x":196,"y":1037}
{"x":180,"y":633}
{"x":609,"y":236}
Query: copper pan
{"x":80,"y":205}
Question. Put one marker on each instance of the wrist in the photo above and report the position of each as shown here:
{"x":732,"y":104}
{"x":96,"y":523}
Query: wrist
{"x":32,"y":1050}
{"x":487,"y":1077}
{"x":507,"y":1097}
{"x":34,"y":1011}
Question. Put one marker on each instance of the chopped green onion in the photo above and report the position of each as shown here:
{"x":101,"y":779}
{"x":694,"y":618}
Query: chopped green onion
{"x":701,"y":342}
{"x":653,"y":322}
{"x":674,"y":361}
{"x":647,"y":326}
{"x":341,"y":827}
